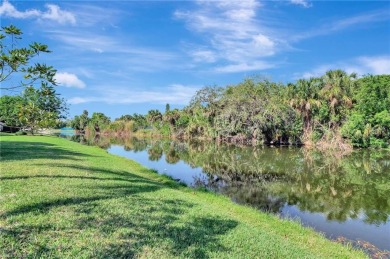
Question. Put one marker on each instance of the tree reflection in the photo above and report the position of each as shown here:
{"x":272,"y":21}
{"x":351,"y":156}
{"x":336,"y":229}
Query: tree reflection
{"x":155,"y":152}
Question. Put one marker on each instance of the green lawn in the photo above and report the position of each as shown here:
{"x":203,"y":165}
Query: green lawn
{"x":62,"y":199}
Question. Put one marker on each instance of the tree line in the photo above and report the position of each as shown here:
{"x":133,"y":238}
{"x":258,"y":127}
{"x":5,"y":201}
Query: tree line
{"x":335,"y":110}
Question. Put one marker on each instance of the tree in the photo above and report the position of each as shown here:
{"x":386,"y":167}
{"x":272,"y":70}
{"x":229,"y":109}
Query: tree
{"x":171,"y":117}
{"x":41,"y":108}
{"x":369,"y":121}
{"x":33,"y":109}
{"x":83,"y":120}
{"x":337,"y":90}
{"x":304,"y":98}
{"x":46,"y":99}
{"x":207,"y":98}
{"x":139,"y":121}
{"x":254,"y":111}
{"x":167,"y":108}
{"x":17,"y":61}
{"x":75,"y":123}
{"x":154,"y":117}
{"x":202,"y":110}
{"x":99,"y":121}
{"x":33,"y":118}
{"x":9,"y":110}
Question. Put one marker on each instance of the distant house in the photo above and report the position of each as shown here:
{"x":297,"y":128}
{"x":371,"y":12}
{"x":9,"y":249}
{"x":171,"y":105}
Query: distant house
{"x":5,"y":128}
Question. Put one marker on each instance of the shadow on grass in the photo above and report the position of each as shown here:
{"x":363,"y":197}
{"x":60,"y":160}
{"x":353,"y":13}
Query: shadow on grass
{"x":156,"y":225}
{"x":146,"y":231}
{"x":19,"y":150}
{"x":104,"y":172}
{"x":195,"y":238}
{"x":130,"y":177}
{"x":5,"y":178}
{"x":108,"y":188}
{"x":102,"y":193}
{"x":123,"y":175}
{"x":114,"y":217}
{"x":112,"y":212}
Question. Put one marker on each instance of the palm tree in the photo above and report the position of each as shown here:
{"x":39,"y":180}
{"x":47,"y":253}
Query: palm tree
{"x":337,"y":92}
{"x":154,"y":116}
{"x":171,"y":117}
{"x":305,"y":98}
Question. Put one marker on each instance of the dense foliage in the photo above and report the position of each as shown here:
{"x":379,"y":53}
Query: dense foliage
{"x":369,"y":121}
{"x":336,"y":110}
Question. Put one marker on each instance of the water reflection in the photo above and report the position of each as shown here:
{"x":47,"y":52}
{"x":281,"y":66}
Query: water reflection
{"x":287,"y":181}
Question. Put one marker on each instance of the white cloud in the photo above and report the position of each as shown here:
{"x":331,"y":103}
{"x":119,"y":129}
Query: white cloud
{"x":69,"y":80}
{"x":173,"y":94}
{"x":85,"y":40}
{"x":242,"y":67}
{"x":207,"y":56}
{"x":78,"y":100}
{"x":318,"y":71}
{"x":262,"y":40}
{"x":342,"y":24}
{"x":303,"y":3}
{"x":53,"y":13}
{"x":376,"y":65}
{"x":89,"y":15}
{"x":115,"y":50}
{"x":232,"y":34}
{"x":7,"y":9}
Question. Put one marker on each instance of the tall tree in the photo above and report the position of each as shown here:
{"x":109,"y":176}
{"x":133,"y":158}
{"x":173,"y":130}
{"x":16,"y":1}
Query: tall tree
{"x":83,"y":120}
{"x":167,"y":108}
{"x":337,"y":90}
{"x":304,"y":97}
{"x":42,"y":106}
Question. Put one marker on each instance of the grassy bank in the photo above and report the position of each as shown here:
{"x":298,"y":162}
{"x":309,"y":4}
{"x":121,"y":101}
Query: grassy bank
{"x":62,"y":199}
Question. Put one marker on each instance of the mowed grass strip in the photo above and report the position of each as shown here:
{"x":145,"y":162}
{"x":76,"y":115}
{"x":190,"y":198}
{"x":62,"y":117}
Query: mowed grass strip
{"x":62,"y":199}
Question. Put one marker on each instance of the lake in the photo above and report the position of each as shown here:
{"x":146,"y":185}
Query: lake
{"x":345,"y":197}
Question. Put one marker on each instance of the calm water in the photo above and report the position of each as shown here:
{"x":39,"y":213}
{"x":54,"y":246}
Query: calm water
{"x":348,"y":196}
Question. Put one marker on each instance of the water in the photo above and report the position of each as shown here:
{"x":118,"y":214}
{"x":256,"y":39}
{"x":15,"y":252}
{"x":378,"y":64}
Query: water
{"x":345,"y":197}
{"x":66,"y":132}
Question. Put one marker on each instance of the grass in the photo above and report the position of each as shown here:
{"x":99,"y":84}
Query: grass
{"x":6,"y":134}
{"x":62,"y":199}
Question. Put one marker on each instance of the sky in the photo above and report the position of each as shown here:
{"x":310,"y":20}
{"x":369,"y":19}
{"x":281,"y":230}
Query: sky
{"x":125,"y":57}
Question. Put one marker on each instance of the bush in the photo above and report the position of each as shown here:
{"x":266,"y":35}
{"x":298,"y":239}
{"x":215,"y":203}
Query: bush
{"x":117,"y":126}
{"x":165,"y":130}
{"x":353,"y":129}
{"x":378,"y":143}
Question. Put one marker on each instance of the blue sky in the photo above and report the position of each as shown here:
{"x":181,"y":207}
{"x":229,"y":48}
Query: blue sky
{"x":122,"y":57}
